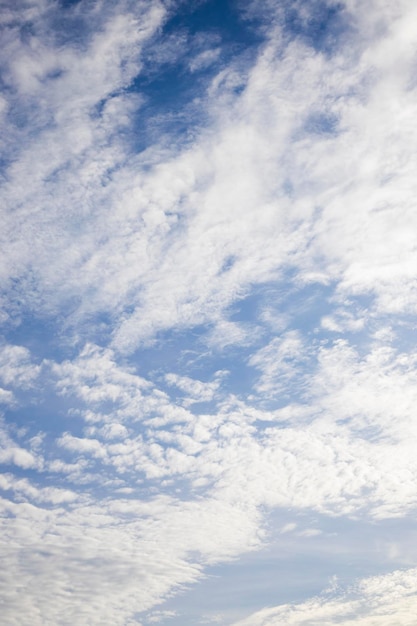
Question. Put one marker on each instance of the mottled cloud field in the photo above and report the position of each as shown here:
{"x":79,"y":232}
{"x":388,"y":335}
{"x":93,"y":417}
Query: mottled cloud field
{"x":208,"y":297}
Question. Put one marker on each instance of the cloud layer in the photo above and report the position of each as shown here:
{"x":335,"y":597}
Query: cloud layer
{"x":208,"y":295}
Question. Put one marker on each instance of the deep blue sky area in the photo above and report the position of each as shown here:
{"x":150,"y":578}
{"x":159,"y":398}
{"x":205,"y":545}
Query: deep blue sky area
{"x":217,"y":17}
{"x":170,"y":88}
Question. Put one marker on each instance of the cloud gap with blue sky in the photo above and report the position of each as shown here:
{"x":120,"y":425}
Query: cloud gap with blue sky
{"x":208,"y":293}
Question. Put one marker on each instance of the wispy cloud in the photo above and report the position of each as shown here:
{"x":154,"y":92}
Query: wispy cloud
{"x":378,"y":600}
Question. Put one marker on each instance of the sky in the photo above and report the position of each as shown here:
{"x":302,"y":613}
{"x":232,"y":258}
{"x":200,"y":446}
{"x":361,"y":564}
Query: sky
{"x":208,"y":297}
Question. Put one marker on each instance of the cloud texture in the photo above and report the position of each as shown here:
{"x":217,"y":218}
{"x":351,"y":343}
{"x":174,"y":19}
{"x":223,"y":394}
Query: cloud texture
{"x":207,"y":295}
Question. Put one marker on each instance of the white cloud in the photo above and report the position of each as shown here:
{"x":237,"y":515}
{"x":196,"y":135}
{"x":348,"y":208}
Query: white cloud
{"x":107,"y":552}
{"x":18,"y":456}
{"x":325,"y":452}
{"x":16,"y":368}
{"x":303,"y":174}
{"x":22,"y":487}
{"x":388,"y":600}
{"x":162,"y":237}
{"x":280,"y":363}
{"x":6,"y":397}
{"x":288,"y":527}
{"x":325,"y":463}
{"x":157,"y":617}
{"x":204,"y":59}
{"x":196,"y":390}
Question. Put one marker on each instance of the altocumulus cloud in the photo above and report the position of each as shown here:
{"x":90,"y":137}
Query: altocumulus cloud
{"x":208,"y":303}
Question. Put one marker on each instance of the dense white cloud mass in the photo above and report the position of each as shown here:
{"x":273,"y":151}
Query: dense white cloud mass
{"x":208,"y":290}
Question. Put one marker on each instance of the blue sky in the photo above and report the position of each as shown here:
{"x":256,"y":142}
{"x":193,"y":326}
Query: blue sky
{"x":207,"y":305}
